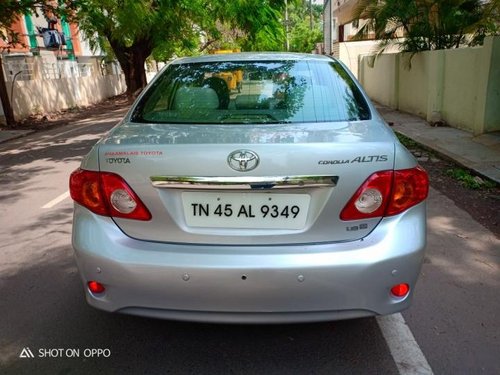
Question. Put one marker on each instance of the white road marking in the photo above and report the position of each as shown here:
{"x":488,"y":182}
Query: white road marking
{"x":404,"y":349}
{"x":57,"y":200}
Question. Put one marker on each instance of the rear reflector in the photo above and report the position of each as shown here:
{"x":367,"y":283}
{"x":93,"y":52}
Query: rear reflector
{"x":400,"y":290}
{"x":96,"y":287}
{"x":106,"y":194}
{"x":387,"y":193}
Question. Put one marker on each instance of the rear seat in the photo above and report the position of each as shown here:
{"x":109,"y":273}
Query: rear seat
{"x":251,"y":102}
{"x":187,"y":98}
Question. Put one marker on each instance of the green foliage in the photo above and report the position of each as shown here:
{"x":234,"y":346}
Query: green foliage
{"x":302,"y":38}
{"x":132,"y":30}
{"x":12,"y":9}
{"x":429,"y":24}
{"x":127,"y":22}
{"x":175,"y":26}
{"x":136,"y":29}
{"x":468,"y":180}
{"x":256,"y":24}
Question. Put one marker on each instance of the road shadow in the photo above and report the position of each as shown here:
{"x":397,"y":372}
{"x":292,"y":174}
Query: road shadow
{"x":16,"y":181}
{"x":22,"y":168}
{"x":53,"y":147}
{"x":50,"y":222}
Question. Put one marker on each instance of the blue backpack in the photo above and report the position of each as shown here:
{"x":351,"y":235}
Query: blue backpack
{"x":52,"y":39}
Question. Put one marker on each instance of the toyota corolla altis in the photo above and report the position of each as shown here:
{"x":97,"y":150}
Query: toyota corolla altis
{"x":250,"y":188}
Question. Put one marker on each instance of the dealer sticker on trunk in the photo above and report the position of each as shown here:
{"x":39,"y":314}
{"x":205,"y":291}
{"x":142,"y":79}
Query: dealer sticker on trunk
{"x":245,"y":210}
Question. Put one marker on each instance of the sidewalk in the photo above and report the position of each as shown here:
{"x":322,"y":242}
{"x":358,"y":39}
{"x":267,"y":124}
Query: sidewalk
{"x":480,"y":154}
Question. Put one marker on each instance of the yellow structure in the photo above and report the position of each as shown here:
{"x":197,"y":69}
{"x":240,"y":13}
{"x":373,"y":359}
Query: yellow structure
{"x":223,"y":51}
{"x":233,"y":78}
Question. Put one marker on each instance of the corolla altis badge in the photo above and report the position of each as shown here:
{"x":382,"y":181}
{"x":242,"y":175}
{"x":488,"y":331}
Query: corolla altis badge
{"x":243,"y":160}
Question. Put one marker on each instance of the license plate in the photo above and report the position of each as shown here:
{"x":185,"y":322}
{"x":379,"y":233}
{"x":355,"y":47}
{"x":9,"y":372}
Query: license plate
{"x":245,"y":210}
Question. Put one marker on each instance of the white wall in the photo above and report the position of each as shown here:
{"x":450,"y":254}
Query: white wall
{"x":50,"y":96}
{"x":378,"y":79}
{"x":59,"y":86}
{"x":350,"y":52}
{"x":460,"y":86}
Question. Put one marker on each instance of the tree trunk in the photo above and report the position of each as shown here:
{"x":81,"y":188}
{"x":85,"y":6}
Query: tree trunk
{"x":4,"y":98}
{"x":132,"y":60}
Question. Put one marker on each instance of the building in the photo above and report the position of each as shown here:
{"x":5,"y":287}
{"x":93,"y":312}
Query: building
{"x":340,"y":28}
{"x":42,"y":75}
{"x":339,"y":24}
{"x":28,"y":28}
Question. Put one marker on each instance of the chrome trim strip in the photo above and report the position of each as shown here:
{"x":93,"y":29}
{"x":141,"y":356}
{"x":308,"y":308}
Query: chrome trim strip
{"x":243,"y":183}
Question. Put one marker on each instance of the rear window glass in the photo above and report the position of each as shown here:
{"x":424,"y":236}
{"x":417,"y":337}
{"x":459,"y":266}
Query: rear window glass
{"x":286,"y":91}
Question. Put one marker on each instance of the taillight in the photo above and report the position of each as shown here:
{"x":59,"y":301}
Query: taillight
{"x":121,"y":199}
{"x":410,"y":187}
{"x":85,"y":188}
{"x":370,"y":200}
{"x":106,"y":194}
{"x":387,"y":193}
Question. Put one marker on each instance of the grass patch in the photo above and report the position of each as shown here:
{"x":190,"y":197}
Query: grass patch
{"x":468,"y":180}
{"x":407,"y":142}
{"x":413,"y":146}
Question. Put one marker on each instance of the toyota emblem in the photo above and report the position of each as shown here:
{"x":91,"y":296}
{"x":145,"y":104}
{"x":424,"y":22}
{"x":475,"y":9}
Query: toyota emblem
{"x":243,"y":160}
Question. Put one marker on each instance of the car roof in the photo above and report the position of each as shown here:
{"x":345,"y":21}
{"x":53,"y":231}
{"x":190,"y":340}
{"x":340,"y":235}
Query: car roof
{"x":252,"y":56}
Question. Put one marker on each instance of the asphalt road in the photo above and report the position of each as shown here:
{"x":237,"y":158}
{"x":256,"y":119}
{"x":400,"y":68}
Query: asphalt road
{"x":454,"y":318}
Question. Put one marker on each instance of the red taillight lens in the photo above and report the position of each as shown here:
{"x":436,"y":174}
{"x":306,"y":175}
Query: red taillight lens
{"x":127,"y":204}
{"x":378,"y":182}
{"x":410,"y":187}
{"x":400,"y":290}
{"x":106,"y":194}
{"x":85,"y":189}
{"x":96,"y":287}
{"x":387,"y":193}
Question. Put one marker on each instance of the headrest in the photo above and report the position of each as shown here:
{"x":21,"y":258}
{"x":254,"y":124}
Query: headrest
{"x":196,"y":97}
{"x":251,"y":102}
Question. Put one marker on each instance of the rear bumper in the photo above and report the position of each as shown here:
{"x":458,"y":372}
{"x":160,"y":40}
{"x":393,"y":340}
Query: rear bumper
{"x":247,"y":284}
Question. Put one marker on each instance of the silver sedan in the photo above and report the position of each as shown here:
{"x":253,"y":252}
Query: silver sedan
{"x":250,"y":188}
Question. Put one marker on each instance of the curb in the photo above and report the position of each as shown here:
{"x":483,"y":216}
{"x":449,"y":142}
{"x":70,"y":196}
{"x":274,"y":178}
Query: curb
{"x":444,"y":154}
{"x":9,"y":135}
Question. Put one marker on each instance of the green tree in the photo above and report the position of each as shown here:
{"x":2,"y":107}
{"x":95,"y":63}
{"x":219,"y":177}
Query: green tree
{"x":261,"y":21}
{"x":135,"y":29}
{"x":302,"y":37}
{"x":132,"y":29}
{"x":428,"y":24}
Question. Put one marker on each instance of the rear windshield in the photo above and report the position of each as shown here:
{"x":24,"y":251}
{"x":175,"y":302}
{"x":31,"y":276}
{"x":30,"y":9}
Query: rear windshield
{"x":252,"y":92}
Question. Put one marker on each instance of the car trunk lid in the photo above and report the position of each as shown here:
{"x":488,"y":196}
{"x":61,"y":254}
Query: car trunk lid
{"x":305,"y":175}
